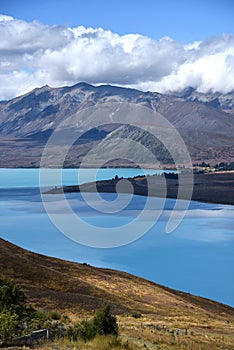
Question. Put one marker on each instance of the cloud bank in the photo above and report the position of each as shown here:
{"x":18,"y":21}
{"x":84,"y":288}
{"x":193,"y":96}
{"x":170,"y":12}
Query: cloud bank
{"x":33,"y":54}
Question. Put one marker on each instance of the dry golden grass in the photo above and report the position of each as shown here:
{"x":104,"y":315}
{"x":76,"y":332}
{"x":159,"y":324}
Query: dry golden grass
{"x":98,"y":343}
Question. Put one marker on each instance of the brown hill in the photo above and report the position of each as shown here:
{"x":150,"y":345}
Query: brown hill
{"x":51,"y":282}
{"x":74,"y":288}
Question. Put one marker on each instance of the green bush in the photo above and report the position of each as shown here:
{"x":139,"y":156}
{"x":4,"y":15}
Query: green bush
{"x":84,"y":330}
{"x":40,"y":316}
{"x":104,"y":322}
{"x":8,"y":325}
{"x":12,"y":297}
{"x":87,"y":330}
{"x":55,"y":315}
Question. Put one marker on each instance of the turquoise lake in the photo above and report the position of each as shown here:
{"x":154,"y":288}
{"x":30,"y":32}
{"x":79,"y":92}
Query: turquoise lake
{"x":198,"y":257}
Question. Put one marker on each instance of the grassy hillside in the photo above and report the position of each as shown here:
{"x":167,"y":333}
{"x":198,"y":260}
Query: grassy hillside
{"x":79,"y":289}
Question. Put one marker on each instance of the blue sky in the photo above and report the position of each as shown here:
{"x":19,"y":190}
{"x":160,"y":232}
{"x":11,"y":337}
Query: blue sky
{"x":151,"y":45}
{"x":183,"y":20}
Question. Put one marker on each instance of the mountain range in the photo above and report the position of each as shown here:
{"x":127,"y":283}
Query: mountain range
{"x":204,"y":121}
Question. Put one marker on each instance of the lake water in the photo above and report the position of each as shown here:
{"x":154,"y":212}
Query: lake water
{"x":30,"y":178}
{"x":197,"y":257}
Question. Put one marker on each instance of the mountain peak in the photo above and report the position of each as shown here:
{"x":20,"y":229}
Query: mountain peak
{"x":185,"y":93}
{"x":82,"y":85}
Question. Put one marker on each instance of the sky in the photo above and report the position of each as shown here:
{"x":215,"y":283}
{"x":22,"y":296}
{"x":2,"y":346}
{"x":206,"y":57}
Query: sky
{"x":154,"y":45}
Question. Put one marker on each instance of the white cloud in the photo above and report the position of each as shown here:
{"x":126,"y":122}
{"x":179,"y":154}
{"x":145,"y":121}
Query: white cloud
{"x":33,"y":54}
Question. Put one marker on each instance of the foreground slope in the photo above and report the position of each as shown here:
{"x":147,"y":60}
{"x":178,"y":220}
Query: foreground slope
{"x":63,"y":284}
{"x":172,"y":318}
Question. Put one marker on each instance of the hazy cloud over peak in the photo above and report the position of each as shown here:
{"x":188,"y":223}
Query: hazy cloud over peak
{"x":33,"y":54}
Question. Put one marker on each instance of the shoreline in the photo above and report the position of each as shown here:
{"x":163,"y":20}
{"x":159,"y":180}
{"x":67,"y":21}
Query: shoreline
{"x":213,"y":188}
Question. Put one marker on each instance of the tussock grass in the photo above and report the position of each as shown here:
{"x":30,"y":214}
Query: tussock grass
{"x":98,"y":343}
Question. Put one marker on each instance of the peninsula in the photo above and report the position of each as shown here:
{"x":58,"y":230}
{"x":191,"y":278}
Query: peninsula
{"x":210,"y":188}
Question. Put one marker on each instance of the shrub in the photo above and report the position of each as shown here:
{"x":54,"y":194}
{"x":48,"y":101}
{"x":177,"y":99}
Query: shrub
{"x":104,"y":322}
{"x":8,"y":325}
{"x":57,"y":330}
{"x":84,"y":330}
{"x":41,"y":316}
{"x":87,"y":330}
{"x":12,"y":297}
{"x":55,"y":315}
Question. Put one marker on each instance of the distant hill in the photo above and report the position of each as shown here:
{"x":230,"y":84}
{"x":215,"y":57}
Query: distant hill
{"x":148,"y":313}
{"x":208,"y":188}
{"x":26,"y":122}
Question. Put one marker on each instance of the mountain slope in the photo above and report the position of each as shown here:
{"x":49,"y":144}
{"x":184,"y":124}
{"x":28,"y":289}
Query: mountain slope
{"x":223,"y":102}
{"x":66,"y":284}
{"x":176,"y":319}
{"x":26,"y":122}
